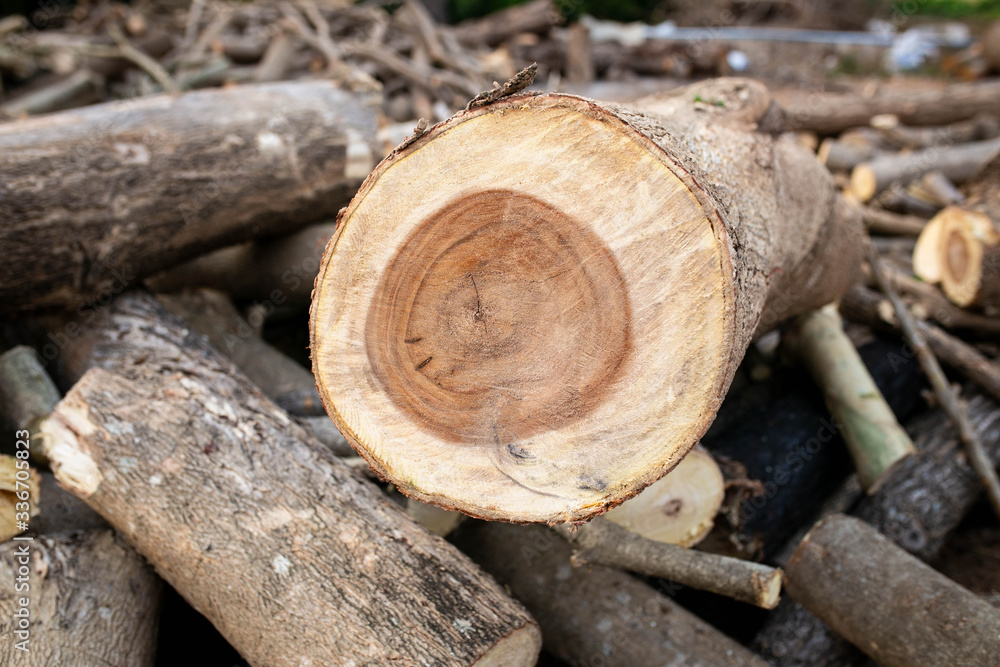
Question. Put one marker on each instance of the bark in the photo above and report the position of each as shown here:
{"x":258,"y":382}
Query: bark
{"x":958,"y":163}
{"x":889,"y":604}
{"x":118,"y":191}
{"x":830,"y":113}
{"x":921,"y":502}
{"x":595,"y":615}
{"x":887,"y":222}
{"x":281,"y":379}
{"x":258,"y":526}
{"x":93,"y":601}
{"x":983,"y":126}
{"x":603,"y":543}
{"x":789,"y":451}
{"x":27,"y":393}
{"x":574,"y":380}
{"x":280,"y":270}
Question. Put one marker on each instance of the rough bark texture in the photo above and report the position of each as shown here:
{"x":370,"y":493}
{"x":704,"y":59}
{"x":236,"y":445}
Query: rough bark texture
{"x":118,"y":191}
{"x":94,"y":601}
{"x":781,"y":437}
{"x":921,"y":501}
{"x":889,"y":604}
{"x":283,"y":380}
{"x":259,"y":527}
{"x":754,"y":232}
{"x":595,"y":615}
{"x":830,"y":113}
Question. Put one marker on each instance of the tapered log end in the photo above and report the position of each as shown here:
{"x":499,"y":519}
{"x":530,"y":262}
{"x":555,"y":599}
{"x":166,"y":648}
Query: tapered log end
{"x":506,"y":326}
{"x":864,"y":183}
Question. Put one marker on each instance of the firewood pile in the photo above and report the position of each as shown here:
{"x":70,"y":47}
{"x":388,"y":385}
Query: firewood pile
{"x":336,"y":335}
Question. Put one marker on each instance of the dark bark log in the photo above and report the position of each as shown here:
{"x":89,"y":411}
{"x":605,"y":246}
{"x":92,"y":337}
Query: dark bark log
{"x":118,"y":191}
{"x":781,"y":434}
{"x":594,"y":615}
{"x":889,"y":604}
{"x":921,"y":501}
{"x":93,"y":601}
{"x":256,"y":524}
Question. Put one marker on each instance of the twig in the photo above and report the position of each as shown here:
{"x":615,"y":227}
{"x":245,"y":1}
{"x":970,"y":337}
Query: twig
{"x":948,"y":398}
{"x":142,"y":60}
{"x":604,"y":543}
{"x":319,"y":39}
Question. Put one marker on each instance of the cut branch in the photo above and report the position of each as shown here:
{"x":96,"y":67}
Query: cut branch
{"x":893,"y":607}
{"x":604,"y":543}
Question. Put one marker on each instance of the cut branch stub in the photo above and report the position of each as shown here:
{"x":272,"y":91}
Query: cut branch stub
{"x":533,"y":310}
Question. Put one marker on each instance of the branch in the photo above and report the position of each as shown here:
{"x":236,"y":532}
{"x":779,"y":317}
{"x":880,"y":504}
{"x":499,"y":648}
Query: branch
{"x":603,"y":543}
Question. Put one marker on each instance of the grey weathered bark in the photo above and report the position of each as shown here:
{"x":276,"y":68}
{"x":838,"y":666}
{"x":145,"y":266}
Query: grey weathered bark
{"x":114,"y":192}
{"x":257,"y":525}
{"x":595,"y":615}
{"x":893,"y":607}
{"x":93,"y":601}
{"x":829,"y":113}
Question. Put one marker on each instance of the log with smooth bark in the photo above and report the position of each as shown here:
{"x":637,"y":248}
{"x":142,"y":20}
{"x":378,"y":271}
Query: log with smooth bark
{"x":959,"y":163}
{"x":27,"y":393}
{"x":886,"y":602}
{"x":93,"y":600}
{"x":284,"y":539}
{"x":554,"y":353}
{"x":892,"y":131}
{"x":868,"y":426}
{"x":117,"y":191}
{"x":595,"y":615}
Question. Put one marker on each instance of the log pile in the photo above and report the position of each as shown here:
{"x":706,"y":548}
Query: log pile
{"x":303,"y":315}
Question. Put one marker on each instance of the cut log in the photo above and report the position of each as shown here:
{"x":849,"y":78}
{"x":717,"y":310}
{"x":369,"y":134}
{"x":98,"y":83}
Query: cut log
{"x":867,"y":424}
{"x":887,"y":222}
{"x":20,"y":488}
{"x":93,"y":601}
{"x":959,"y":163}
{"x":594,"y":615}
{"x":830,"y":113}
{"x":571,"y":349}
{"x":198,"y":176}
{"x":886,"y":602}
{"x":281,"y":271}
{"x":284,"y":539}
{"x":966,"y":250}
{"x":680,"y":507}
